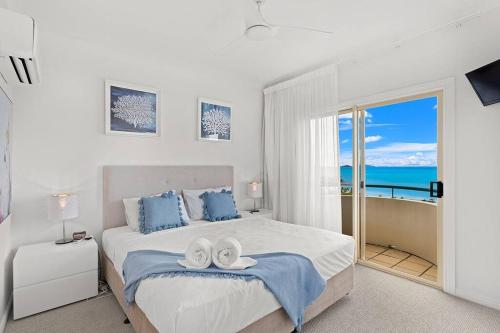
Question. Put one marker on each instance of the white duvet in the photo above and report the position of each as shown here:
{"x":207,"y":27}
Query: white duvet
{"x":211,"y":305}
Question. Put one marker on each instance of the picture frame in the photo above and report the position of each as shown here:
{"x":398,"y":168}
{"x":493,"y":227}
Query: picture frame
{"x":214,"y":120}
{"x":132,"y":110}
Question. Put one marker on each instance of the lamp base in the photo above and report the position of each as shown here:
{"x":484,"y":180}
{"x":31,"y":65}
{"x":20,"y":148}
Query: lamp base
{"x":254,"y":211}
{"x":64,"y":241}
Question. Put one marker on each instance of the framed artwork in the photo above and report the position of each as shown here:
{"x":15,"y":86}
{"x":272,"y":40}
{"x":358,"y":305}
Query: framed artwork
{"x":5,"y":167}
{"x":214,"y":120}
{"x":132,"y":109}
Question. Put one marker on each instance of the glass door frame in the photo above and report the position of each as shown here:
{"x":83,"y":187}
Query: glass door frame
{"x":359,"y":181}
{"x":355,"y":213}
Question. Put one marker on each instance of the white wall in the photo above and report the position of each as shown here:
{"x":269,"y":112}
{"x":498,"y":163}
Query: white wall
{"x":5,"y":234}
{"x":5,"y":271}
{"x":453,"y":52}
{"x":59,"y":141}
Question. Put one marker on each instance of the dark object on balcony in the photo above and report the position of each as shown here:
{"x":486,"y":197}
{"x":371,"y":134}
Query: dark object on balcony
{"x":438,"y":191}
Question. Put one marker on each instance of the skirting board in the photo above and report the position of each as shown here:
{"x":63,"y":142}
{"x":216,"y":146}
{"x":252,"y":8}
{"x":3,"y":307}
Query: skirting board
{"x":5,"y":315}
{"x":479,"y":299}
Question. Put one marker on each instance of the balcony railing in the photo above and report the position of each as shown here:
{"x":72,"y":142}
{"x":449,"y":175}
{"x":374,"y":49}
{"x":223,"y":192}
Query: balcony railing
{"x":391,"y":187}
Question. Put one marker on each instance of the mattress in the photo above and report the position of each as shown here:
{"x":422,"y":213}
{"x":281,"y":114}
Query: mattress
{"x":209,"y":304}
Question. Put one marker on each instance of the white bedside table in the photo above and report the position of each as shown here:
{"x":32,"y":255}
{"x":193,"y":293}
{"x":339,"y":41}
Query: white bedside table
{"x":265,"y":213}
{"x":47,"y":275}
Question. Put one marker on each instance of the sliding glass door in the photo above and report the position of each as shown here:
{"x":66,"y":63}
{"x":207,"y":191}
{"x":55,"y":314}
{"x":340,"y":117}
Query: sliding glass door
{"x":390,"y":168}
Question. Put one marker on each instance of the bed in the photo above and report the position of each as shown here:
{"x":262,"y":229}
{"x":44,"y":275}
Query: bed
{"x":211,"y":304}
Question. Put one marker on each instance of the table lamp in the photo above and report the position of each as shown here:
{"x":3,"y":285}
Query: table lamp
{"x":63,"y":206}
{"x":255,"y":192}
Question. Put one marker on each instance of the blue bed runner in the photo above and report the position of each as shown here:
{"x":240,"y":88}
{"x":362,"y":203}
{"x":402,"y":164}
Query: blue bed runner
{"x":292,"y":278}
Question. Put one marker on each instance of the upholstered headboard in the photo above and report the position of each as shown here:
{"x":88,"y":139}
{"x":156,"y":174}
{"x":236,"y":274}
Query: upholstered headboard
{"x":135,"y":181}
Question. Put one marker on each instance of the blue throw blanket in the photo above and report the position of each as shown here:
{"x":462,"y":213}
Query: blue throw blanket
{"x":292,"y":278}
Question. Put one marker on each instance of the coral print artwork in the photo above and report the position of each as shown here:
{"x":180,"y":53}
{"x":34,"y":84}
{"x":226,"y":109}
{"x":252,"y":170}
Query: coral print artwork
{"x":214,"y":120}
{"x":131,"y":110}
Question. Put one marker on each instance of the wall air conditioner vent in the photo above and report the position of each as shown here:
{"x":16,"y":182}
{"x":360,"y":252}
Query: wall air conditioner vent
{"x":24,"y":69}
{"x":18,"y":62}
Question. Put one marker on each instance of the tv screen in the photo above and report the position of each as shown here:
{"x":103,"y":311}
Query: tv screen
{"x":486,"y":82}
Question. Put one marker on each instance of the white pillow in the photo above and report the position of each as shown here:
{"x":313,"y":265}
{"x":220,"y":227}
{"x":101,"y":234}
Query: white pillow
{"x":184,"y":212}
{"x":195,"y":204}
{"x":132,"y":211}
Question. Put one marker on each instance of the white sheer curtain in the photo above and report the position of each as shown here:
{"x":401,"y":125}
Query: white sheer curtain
{"x":301,"y":159}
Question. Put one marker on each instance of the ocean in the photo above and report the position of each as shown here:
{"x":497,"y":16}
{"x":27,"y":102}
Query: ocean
{"x":402,"y":176}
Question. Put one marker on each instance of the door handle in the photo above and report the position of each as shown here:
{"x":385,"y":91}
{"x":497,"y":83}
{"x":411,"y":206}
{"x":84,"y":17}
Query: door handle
{"x":437,"y":191}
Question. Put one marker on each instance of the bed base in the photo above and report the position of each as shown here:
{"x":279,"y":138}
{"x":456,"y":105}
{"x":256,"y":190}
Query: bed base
{"x":277,"y":322}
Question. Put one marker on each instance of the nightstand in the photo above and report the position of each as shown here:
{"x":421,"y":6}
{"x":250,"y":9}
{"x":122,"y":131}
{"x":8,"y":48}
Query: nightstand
{"x":265,"y":213}
{"x":47,"y":275}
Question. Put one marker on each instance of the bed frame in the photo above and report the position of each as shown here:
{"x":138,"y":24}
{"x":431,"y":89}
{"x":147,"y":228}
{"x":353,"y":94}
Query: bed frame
{"x":133,"y":181}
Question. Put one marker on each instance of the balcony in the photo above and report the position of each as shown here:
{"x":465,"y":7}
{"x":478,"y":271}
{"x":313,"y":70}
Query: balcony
{"x":401,"y":234}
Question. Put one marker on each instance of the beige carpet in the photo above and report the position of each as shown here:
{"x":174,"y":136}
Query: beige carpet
{"x":379,"y":303}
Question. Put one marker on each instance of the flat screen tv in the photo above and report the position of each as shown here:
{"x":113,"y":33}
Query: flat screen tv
{"x":486,"y":82}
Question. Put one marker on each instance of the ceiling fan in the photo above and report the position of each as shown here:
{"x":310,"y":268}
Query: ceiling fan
{"x":262,"y":29}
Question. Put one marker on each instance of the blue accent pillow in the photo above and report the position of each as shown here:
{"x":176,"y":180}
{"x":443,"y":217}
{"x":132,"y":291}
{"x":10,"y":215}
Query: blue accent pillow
{"x":219,"y":206}
{"x":160,"y":213}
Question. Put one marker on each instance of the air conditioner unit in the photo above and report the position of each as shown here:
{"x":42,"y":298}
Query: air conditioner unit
{"x":18,"y":62}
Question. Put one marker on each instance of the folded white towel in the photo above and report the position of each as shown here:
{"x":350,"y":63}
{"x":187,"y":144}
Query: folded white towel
{"x":226,"y":255}
{"x":198,"y":254}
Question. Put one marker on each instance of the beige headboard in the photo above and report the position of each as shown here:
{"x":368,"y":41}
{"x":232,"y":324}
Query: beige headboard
{"x":135,"y":181}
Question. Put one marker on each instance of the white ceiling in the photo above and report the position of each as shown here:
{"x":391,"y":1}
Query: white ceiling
{"x":196,"y":31}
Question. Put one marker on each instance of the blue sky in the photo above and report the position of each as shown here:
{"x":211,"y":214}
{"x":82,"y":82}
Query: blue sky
{"x":402,"y":134}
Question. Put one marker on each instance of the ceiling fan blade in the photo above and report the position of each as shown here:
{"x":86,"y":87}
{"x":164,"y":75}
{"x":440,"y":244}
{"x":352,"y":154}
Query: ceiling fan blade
{"x":302,"y":28}
{"x":263,"y":18}
{"x":229,"y":45}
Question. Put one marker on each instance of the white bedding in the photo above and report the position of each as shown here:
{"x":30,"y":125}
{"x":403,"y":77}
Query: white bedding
{"x":188,"y":304}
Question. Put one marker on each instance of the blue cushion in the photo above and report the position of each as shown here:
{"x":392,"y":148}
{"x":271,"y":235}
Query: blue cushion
{"x":219,"y":206}
{"x":160,"y":212}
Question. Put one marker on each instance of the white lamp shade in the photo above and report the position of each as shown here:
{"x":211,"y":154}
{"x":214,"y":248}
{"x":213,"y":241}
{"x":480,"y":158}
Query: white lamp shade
{"x":63,"y":206}
{"x":255,"y":190}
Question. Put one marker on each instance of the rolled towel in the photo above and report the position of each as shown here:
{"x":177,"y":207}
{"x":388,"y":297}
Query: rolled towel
{"x":198,"y":254}
{"x":226,"y":252}
{"x":226,"y":255}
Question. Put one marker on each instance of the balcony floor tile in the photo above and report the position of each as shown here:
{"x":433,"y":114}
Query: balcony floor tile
{"x":401,"y":261}
{"x":406,"y":270}
{"x":431,"y":271}
{"x":429,"y":277}
{"x":418,"y":260}
{"x":375,"y":248}
{"x":396,"y":254}
{"x":384,"y":260}
{"x":417,"y":268}
{"x":370,"y":254}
